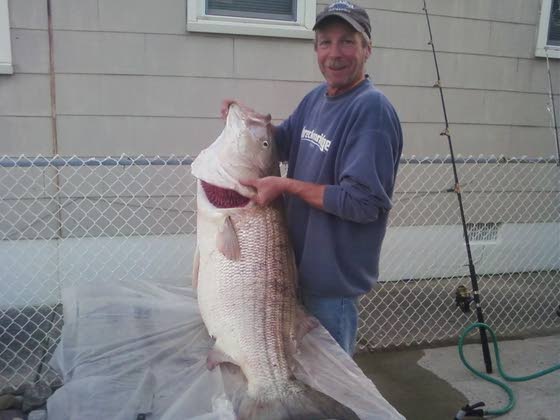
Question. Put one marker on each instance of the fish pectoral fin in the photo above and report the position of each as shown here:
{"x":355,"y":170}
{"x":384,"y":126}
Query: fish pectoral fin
{"x":196,"y":266}
{"x":228,"y":243}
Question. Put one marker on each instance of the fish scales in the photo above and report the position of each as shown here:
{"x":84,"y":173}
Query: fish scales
{"x":259,"y":332}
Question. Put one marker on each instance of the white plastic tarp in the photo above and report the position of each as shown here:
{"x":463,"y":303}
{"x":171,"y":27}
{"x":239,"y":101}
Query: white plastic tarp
{"x":133,"y":348}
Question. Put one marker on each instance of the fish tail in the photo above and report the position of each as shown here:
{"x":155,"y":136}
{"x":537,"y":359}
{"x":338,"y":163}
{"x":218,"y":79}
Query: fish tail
{"x":305,"y":404}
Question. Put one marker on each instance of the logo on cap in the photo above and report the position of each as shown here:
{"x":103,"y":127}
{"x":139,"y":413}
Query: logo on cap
{"x":340,"y":6}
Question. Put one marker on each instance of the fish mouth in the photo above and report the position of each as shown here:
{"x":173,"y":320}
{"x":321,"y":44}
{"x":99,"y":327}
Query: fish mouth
{"x":223,"y":198}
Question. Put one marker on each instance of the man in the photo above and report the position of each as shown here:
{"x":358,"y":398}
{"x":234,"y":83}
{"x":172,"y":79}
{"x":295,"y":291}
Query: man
{"x":342,"y":143}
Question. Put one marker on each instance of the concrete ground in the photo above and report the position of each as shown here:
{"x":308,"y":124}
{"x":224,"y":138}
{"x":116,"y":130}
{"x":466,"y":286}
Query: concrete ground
{"x":414,"y":391}
{"x":429,"y":384}
{"x":433,"y":384}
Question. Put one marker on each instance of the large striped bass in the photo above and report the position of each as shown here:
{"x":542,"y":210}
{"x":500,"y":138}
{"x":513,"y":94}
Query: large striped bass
{"x":245,"y":276}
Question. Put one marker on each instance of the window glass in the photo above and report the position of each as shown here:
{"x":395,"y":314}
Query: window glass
{"x":5,"y":43}
{"x":554,"y":24}
{"x":271,"y":9}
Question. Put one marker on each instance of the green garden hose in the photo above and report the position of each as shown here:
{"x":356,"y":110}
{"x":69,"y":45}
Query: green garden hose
{"x":469,"y":410}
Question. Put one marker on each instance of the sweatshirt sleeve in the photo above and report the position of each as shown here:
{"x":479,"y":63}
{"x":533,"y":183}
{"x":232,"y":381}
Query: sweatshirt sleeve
{"x":366,"y":169}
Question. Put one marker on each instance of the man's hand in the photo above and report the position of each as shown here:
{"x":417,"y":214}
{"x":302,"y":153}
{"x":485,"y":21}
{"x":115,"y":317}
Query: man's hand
{"x":267,"y":189}
{"x":270,"y":188}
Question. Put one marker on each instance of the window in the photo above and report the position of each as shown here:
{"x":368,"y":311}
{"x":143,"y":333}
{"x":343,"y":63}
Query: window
{"x":278,"y":18}
{"x":548,"y":39}
{"x":5,"y":45}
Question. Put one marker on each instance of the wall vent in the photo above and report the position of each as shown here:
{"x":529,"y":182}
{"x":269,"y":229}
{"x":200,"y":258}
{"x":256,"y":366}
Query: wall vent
{"x":483,"y":232}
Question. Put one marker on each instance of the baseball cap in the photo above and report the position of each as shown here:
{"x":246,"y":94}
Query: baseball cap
{"x":351,"y":13}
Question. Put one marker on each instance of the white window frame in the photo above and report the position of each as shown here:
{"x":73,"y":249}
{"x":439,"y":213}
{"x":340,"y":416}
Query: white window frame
{"x":199,"y":21}
{"x":542,"y":50}
{"x":5,"y":42}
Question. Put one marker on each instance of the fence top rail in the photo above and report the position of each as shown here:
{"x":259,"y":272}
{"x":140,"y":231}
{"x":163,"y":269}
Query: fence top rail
{"x":478,"y":159}
{"x":61,"y":161}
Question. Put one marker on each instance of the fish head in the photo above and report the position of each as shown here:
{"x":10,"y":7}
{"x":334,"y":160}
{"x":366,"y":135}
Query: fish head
{"x":244,"y":150}
{"x":249,"y":148}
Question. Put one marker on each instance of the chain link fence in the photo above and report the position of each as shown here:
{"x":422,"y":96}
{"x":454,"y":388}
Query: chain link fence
{"x":512,"y":209}
{"x":69,"y":220}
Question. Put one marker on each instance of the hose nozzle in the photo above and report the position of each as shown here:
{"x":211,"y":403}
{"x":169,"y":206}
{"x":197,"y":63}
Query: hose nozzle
{"x":471,"y":411}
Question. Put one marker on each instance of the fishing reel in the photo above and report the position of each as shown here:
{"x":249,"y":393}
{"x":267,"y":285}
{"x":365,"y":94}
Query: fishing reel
{"x":463,"y":299}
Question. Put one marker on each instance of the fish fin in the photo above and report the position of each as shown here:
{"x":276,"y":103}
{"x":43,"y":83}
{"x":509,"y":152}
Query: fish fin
{"x":196,"y":266}
{"x":305,"y":403}
{"x":303,"y":324}
{"x":217,"y":356}
{"x":228,"y":243}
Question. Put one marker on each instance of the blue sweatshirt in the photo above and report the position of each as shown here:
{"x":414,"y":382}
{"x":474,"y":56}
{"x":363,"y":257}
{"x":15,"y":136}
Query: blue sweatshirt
{"x":351,"y":143}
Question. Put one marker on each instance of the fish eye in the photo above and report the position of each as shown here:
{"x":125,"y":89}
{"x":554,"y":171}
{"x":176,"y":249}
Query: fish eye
{"x":265,"y":143}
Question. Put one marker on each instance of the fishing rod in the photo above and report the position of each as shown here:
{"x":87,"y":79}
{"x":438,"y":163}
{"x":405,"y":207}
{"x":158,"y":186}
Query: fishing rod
{"x":553,"y":109}
{"x":457,"y":189}
{"x":475,"y":410}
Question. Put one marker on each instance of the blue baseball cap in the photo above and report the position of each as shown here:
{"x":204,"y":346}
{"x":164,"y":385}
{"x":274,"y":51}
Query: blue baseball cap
{"x":351,"y":13}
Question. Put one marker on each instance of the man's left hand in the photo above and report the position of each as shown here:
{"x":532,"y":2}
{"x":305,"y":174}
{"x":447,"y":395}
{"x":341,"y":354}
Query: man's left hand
{"x":267,"y":189}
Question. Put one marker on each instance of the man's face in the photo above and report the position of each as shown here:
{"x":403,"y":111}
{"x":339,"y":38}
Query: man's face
{"x":341,"y":55}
